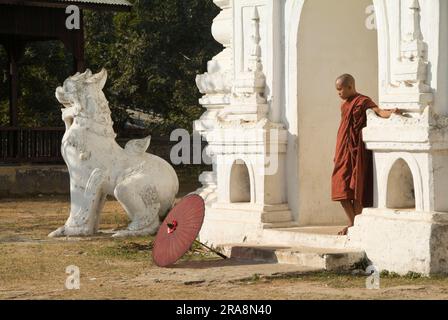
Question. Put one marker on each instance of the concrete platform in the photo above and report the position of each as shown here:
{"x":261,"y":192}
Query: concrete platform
{"x":328,"y":259}
{"x":314,"y":237}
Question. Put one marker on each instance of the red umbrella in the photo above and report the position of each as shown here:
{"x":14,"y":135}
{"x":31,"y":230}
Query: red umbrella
{"x":179,"y":230}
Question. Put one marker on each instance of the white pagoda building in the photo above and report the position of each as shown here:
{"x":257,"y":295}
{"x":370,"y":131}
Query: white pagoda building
{"x":272,"y":115}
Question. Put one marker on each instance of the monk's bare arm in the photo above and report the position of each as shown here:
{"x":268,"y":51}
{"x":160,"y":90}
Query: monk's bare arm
{"x":385,"y":113}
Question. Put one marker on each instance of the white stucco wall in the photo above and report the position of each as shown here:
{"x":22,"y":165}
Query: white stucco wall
{"x":304,"y":46}
{"x":332,"y":39}
{"x":438,"y":33}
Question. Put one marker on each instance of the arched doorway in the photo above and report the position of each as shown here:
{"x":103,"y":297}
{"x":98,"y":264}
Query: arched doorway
{"x":332,"y":39}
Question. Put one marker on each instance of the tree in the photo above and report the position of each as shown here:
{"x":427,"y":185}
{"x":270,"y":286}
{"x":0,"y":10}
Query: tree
{"x":152,"y":54}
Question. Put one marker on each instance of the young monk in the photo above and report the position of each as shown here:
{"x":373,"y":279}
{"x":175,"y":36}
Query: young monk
{"x":352,"y":179}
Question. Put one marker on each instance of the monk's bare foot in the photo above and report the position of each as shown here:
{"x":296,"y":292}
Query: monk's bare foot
{"x":343,"y":232}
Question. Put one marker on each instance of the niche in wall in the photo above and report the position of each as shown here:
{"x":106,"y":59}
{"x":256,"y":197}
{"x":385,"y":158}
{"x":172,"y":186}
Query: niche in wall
{"x":239,"y":183}
{"x":400,"y":187}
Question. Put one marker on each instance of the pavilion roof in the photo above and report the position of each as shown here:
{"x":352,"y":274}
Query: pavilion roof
{"x":84,"y":4}
{"x":105,"y":2}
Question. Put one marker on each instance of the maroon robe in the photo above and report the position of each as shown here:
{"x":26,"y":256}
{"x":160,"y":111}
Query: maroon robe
{"x":352,"y":177}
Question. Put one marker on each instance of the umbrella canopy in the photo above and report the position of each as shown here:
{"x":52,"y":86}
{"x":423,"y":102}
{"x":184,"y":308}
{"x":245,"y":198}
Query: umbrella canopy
{"x":179,"y":230}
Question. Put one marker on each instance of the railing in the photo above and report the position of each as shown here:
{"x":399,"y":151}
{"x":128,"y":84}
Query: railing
{"x":31,"y":145}
{"x":43,"y":145}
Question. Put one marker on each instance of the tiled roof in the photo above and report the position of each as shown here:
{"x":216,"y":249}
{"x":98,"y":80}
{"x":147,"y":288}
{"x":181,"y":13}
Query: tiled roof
{"x":124,"y":4}
{"x":107,"y":2}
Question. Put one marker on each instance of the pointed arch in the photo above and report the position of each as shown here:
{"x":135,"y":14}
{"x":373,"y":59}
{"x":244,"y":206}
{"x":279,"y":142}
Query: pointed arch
{"x":294,"y":53}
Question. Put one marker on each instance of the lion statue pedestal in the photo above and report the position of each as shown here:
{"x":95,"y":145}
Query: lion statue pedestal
{"x":144,"y":184}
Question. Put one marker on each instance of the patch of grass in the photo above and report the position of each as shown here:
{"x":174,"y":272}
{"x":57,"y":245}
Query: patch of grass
{"x":348,"y":280}
{"x":255,"y":277}
{"x":336,"y":279}
{"x":129,"y":250}
{"x":389,"y":274}
{"x":198,"y":253}
{"x":33,"y":266}
{"x":414,"y":275}
{"x":115,"y":220}
{"x":410,"y":275}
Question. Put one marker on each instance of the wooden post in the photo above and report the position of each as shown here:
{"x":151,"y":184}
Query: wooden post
{"x":13,"y":76}
{"x":15,"y":49}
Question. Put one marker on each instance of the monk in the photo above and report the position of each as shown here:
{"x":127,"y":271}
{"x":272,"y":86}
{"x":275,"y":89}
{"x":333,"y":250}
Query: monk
{"x":352,"y":179}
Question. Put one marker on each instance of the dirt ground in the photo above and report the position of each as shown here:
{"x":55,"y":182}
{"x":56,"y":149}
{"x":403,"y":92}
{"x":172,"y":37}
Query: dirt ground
{"x":33,"y":266}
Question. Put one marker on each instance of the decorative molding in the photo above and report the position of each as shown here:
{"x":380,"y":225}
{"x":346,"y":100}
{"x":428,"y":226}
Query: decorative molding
{"x":373,"y":120}
{"x":248,"y":101}
{"x":410,"y":72}
{"x":427,"y":119}
{"x":216,"y":83}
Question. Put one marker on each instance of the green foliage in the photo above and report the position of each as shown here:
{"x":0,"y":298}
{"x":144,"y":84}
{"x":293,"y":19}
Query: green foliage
{"x":43,"y":67}
{"x":138,"y":249}
{"x":153,"y":55}
{"x":414,"y":275}
{"x":390,"y":274}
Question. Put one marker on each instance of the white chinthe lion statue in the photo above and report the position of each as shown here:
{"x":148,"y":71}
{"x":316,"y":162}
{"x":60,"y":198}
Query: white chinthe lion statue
{"x":144,"y":184}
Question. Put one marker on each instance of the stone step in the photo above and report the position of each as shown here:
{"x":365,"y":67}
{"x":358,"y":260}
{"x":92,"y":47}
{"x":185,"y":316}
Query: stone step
{"x":245,"y":215}
{"x":315,"y":258}
{"x":314,"y":237}
{"x":280,"y":225}
{"x":276,"y":217}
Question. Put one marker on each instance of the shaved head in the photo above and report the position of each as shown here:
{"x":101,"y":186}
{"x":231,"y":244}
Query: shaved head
{"x":345,"y":85}
{"x":346,"y":80}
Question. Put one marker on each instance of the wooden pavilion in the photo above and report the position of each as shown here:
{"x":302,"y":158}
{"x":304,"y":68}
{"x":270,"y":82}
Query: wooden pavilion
{"x":25,"y":21}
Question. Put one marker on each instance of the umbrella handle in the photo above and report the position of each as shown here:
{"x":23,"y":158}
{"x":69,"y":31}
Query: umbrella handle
{"x":212,"y":250}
